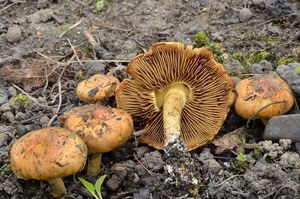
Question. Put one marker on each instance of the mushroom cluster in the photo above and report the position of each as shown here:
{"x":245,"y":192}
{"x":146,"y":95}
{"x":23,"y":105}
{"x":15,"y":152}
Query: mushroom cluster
{"x":178,"y":92}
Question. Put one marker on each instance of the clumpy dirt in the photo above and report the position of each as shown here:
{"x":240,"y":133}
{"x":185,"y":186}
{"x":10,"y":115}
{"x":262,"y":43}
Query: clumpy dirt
{"x":47,"y":47}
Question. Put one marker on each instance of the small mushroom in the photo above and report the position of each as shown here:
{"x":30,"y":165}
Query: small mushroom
{"x":262,"y":97}
{"x":178,"y":92}
{"x":102,"y":128}
{"x":96,"y":88}
{"x":48,"y":154}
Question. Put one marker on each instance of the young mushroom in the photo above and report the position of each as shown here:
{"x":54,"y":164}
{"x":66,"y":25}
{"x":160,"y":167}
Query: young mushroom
{"x":262,"y":97}
{"x":102,"y":128}
{"x":180,"y":93}
{"x":48,"y":154}
{"x":96,"y":88}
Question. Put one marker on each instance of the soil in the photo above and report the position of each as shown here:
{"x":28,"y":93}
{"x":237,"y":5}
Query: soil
{"x":47,"y":47}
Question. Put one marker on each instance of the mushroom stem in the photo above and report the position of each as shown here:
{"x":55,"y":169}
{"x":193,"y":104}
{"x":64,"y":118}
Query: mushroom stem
{"x":94,"y":164}
{"x":174,"y":101}
{"x":58,"y":187}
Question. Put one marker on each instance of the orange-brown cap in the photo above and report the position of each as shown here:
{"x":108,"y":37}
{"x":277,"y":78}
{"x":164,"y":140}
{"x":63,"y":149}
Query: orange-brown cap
{"x":102,"y":128}
{"x":96,"y":88}
{"x":47,"y":154}
{"x":263,"y":96}
{"x":170,"y":63}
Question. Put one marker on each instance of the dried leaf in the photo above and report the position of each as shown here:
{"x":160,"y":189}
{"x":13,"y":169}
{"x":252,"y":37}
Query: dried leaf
{"x":229,"y":140}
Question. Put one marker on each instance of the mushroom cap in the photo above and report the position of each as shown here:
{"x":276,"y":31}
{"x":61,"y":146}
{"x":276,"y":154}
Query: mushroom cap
{"x":263,"y":96}
{"x":47,"y":154}
{"x":96,"y":88}
{"x":102,"y":128}
{"x":167,"y":64}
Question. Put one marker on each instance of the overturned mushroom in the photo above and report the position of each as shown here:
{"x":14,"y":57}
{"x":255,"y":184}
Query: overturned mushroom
{"x":96,"y":88}
{"x":178,"y":92}
{"x":48,"y":154}
{"x":263,"y":96}
{"x":102,"y":128}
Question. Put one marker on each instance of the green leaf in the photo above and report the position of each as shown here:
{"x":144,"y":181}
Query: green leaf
{"x":89,"y":186}
{"x":98,"y":185}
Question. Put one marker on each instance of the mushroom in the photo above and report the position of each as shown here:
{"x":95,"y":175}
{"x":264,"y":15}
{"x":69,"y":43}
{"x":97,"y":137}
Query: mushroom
{"x":48,"y":154}
{"x":180,"y":93}
{"x":102,"y":128}
{"x":96,"y":88}
{"x":263,"y":96}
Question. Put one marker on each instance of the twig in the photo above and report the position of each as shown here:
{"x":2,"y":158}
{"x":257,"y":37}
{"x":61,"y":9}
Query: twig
{"x":231,"y":177}
{"x":91,"y":39}
{"x":14,"y":3}
{"x":59,"y":99}
{"x":139,"y":133}
{"x":150,"y":172}
{"x":70,"y":28}
{"x":74,"y":51}
{"x":262,"y":108}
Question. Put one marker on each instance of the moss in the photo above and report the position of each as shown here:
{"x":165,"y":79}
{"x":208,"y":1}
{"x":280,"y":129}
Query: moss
{"x":63,"y":27}
{"x":201,"y":39}
{"x":22,"y":100}
{"x":216,"y":48}
{"x":268,"y":39}
{"x":284,"y":60}
{"x":257,"y":56}
{"x":297,"y":69}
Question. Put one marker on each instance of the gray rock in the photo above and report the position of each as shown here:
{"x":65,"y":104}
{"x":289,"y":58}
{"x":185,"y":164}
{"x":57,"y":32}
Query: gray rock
{"x":245,"y":14}
{"x":259,"y":3}
{"x":14,"y":34}
{"x":12,"y":91}
{"x":153,"y":161}
{"x":21,"y":130}
{"x":4,"y":139}
{"x":234,"y":67}
{"x":8,"y":117}
{"x":5,"y":107}
{"x":283,"y":127}
{"x":3,"y":95}
{"x":41,"y":16}
{"x":277,"y":8}
{"x":288,"y":73}
{"x":209,"y":163}
{"x":114,"y":182}
{"x":142,"y":150}
{"x":20,"y":116}
{"x":44,"y":121}
{"x":263,"y":67}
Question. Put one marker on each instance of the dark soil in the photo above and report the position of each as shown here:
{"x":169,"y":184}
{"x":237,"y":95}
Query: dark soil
{"x":46,"y":49}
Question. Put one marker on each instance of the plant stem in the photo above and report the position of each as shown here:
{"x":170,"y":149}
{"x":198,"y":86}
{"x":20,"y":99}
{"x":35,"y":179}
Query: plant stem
{"x":58,"y":187}
{"x":94,"y":164}
{"x":174,"y":101}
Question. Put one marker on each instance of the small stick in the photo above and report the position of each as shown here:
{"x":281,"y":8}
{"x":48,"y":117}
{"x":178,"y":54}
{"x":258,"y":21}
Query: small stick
{"x":74,"y":51}
{"x":70,"y":28}
{"x":231,"y":177}
{"x":142,"y":165}
{"x":14,"y":3}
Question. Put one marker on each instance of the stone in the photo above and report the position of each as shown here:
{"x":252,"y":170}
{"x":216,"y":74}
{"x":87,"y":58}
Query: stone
{"x":5,"y":107}
{"x":153,"y":161}
{"x":8,"y":117}
{"x":14,"y":34}
{"x":142,"y":150}
{"x":277,"y":8}
{"x":288,"y":72}
{"x":41,"y":16}
{"x":259,"y":3}
{"x":3,"y":95}
{"x":263,"y":67}
{"x":113,"y":183}
{"x":4,"y":139}
{"x":283,"y":127}
{"x":12,"y":91}
{"x":245,"y":14}
{"x":44,"y":120}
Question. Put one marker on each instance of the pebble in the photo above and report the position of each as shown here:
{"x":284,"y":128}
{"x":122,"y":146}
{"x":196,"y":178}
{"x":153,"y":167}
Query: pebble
{"x":8,"y":117}
{"x":20,"y":116}
{"x":5,"y":107}
{"x":4,"y":139}
{"x":153,"y":160}
{"x":277,"y":8}
{"x":44,"y":120}
{"x":209,"y":163}
{"x":263,"y":67}
{"x":114,"y":182}
{"x":14,"y":34}
{"x":288,"y":73}
{"x":3,"y":95}
{"x":12,"y":91}
{"x":142,"y":150}
{"x":245,"y":14}
{"x":284,"y":126}
{"x":21,"y":130}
